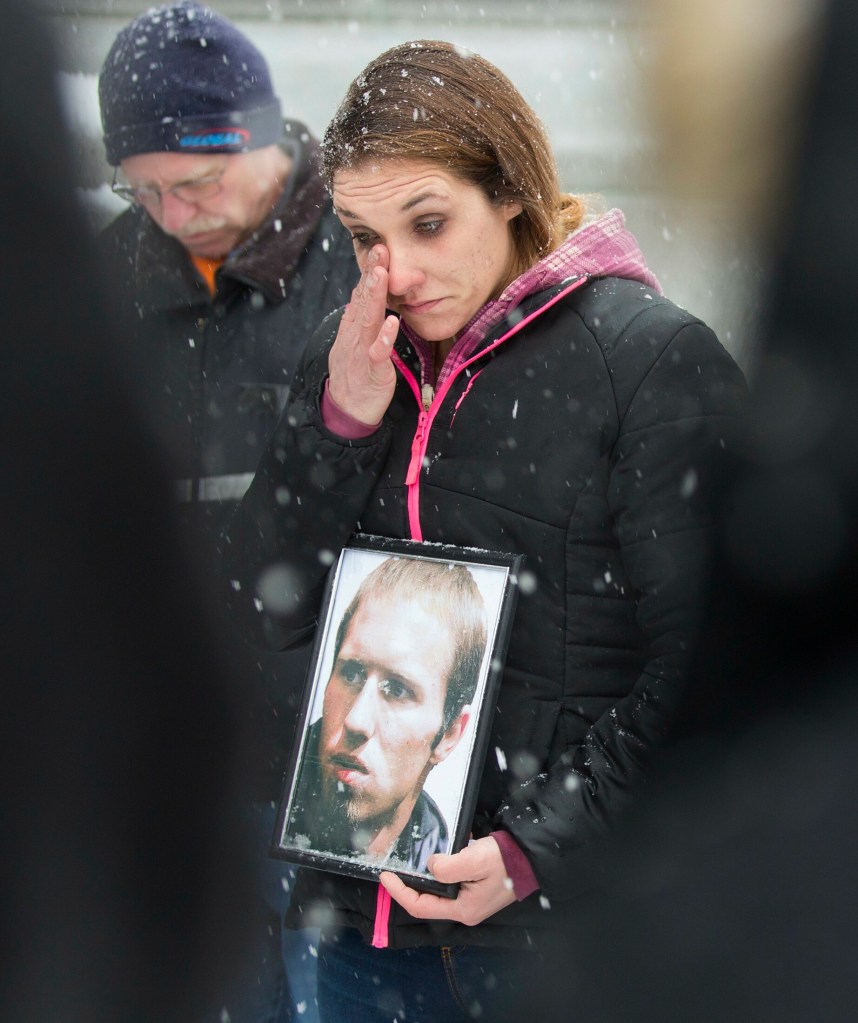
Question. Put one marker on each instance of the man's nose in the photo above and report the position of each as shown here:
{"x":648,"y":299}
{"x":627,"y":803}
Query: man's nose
{"x":174,"y":213}
{"x":403,"y":271}
{"x":361,"y":718}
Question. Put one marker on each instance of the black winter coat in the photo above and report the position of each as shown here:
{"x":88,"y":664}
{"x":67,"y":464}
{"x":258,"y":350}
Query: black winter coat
{"x":582,"y":441}
{"x":221,"y":366}
{"x":217,"y":369}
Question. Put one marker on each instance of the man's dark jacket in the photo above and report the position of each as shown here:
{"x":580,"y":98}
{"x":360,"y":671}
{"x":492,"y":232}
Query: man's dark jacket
{"x":218,"y":369}
{"x":222,"y":365}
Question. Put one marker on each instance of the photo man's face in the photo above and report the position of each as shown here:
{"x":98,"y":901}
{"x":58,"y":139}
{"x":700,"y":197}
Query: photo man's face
{"x":383,"y":712}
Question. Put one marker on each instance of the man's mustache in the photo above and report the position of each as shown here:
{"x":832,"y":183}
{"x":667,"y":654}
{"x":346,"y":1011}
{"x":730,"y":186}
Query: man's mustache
{"x":200,"y":226}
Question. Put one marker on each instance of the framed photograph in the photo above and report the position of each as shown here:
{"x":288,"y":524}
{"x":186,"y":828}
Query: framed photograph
{"x":397,"y":708}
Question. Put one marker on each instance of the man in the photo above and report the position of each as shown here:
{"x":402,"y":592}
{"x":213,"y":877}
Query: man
{"x":230,"y":255}
{"x":228,"y":259}
{"x":407,"y":659}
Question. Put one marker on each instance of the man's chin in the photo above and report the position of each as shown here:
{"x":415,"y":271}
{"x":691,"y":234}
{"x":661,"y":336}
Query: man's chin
{"x":348,"y":821}
{"x":207,"y":244}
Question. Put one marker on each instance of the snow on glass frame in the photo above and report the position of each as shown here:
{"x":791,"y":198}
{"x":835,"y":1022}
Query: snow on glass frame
{"x":397,"y":708}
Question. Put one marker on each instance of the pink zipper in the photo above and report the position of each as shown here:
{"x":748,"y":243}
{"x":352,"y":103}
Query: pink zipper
{"x":464,"y":395}
{"x":418,"y":448}
{"x":382,"y":916}
{"x":424,"y":422}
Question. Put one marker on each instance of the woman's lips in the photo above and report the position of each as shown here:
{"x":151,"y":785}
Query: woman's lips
{"x":417,"y":308}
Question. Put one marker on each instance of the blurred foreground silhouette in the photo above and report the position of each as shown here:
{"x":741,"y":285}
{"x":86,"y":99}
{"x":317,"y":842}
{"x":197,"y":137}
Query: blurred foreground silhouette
{"x":125,"y":878}
{"x":731,"y":893}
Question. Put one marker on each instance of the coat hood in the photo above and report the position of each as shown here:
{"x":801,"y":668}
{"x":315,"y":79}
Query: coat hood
{"x":603,"y":247}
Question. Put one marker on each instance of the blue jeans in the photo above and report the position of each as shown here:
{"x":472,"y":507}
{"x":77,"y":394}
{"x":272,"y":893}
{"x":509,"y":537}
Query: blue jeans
{"x":281,"y":984}
{"x":361,"y":984}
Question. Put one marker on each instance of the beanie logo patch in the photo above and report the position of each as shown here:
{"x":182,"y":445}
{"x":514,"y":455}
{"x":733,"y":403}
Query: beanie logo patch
{"x":217,"y":138}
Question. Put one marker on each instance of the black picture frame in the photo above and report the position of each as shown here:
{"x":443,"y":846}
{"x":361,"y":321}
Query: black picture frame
{"x":386,"y":682}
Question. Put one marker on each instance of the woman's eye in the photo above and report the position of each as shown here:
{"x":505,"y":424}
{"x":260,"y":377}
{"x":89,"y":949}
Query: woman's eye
{"x":430,"y":226}
{"x":363,"y":241}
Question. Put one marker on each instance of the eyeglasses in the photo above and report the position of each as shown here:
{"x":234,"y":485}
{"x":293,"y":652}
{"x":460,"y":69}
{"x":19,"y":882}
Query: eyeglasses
{"x":151,"y":196}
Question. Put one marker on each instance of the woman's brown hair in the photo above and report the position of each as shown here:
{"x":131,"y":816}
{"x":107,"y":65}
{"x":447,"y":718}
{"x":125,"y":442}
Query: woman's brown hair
{"x":431,"y":100}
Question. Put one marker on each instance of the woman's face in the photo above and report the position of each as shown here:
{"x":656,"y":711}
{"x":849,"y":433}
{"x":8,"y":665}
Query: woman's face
{"x":449,"y":250}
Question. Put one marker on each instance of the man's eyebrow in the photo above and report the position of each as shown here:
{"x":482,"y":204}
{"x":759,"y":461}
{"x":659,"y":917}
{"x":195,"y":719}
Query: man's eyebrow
{"x":210,"y":172}
{"x":348,"y":661}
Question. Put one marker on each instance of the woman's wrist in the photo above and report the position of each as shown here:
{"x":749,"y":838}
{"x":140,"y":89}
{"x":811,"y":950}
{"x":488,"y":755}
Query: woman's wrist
{"x":516,"y":865}
{"x":340,"y":422}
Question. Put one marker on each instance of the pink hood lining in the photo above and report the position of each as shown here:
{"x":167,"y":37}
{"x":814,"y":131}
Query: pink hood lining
{"x":603,"y":248}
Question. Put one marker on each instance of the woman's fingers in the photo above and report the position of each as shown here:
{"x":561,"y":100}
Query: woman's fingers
{"x":379,"y":351}
{"x":362,"y":377}
{"x":478,"y":869}
{"x":357,"y":305}
{"x":374,"y":299}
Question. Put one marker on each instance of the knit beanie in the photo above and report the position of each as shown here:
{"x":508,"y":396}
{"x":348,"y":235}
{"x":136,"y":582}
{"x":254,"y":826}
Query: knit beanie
{"x":181,"y":78}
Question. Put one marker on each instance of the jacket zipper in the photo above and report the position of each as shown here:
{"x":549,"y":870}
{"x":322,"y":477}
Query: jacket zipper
{"x":430,"y":403}
{"x":424,"y":397}
{"x":428,"y":413}
{"x":380,"y":932}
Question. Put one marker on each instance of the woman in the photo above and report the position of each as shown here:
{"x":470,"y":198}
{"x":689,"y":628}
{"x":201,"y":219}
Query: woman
{"x":506,"y":376}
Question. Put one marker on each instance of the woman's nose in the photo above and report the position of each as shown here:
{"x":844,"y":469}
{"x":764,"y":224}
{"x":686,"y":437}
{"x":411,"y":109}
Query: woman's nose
{"x":403,"y":272}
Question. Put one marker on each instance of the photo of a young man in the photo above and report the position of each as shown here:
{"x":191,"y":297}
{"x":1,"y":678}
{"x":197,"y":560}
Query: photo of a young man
{"x":407,"y":658}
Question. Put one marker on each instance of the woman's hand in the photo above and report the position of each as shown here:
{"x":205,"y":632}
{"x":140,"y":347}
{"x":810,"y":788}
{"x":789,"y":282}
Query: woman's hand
{"x":362,"y":376}
{"x":485,"y":888}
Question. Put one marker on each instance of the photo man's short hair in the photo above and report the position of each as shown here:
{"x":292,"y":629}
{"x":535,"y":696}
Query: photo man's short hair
{"x":452,"y":595}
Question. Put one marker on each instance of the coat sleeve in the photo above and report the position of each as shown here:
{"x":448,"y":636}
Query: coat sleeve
{"x":299,"y":512}
{"x":678,"y":399}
